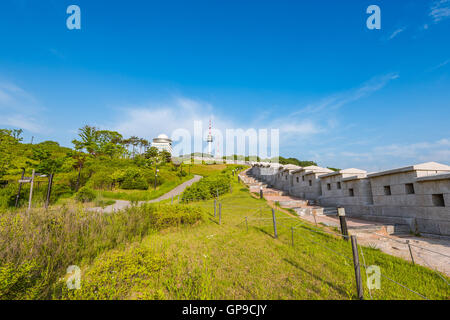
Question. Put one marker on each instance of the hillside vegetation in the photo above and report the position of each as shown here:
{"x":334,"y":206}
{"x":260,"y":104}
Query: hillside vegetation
{"x":182,"y":252}
{"x":185,"y":250}
{"x":212,"y":261}
{"x":103,"y":166}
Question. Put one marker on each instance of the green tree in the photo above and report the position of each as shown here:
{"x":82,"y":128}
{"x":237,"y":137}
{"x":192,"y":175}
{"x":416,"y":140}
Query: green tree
{"x":165,"y":156}
{"x":88,"y":140}
{"x":151,"y":153}
{"x":100,"y":142}
{"x":46,"y":161}
{"x":9,"y":141}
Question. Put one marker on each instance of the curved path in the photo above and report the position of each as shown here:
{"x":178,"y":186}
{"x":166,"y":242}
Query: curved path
{"x":124,"y":204}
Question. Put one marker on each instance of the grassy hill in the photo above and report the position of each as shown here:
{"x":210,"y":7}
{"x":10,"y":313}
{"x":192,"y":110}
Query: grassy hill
{"x":211,"y":261}
{"x":165,"y":251}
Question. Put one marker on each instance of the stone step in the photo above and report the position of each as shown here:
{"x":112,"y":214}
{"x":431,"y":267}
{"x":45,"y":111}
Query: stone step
{"x":330,"y":211}
{"x":293,"y":203}
{"x":309,"y":211}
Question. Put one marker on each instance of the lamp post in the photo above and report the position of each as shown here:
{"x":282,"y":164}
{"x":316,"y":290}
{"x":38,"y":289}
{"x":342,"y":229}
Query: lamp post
{"x":156,"y":174}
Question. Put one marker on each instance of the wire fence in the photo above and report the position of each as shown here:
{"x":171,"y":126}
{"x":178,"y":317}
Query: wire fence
{"x":272,"y":221}
{"x":293,"y":228}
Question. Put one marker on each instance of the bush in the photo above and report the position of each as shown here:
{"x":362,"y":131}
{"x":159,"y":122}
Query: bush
{"x":86,"y":194}
{"x":19,"y":282}
{"x":182,"y":174}
{"x":101,"y":179}
{"x":8,"y":195}
{"x":31,"y":265}
{"x":207,"y":188}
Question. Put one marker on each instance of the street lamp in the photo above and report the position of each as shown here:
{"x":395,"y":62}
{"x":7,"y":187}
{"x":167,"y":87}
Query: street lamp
{"x":156,"y":174}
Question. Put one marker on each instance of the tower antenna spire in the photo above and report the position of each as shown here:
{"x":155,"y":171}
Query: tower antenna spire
{"x":210,"y":138}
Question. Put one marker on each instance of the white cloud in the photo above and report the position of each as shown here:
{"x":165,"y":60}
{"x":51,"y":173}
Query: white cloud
{"x":313,"y":127}
{"x":440,"y":10}
{"x":19,"y":109}
{"x":396,"y":33}
{"x":395,"y":155}
{"x":339,"y":100}
{"x":443,"y":64}
{"x":153,"y":118}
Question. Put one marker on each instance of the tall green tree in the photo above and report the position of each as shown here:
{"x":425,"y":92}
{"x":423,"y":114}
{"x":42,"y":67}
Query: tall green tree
{"x":9,"y":141}
{"x":100,"y":142}
{"x":88,"y":140}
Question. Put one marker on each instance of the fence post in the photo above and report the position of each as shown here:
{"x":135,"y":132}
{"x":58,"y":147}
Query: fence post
{"x":261,"y":196}
{"x":344,"y":230}
{"x":49,"y":190}
{"x":215,"y":205}
{"x":359,"y":287}
{"x":274,"y":224}
{"x":246,"y":223}
{"x":220,"y":213}
{"x":410,"y":252}
{"x":20,"y":188}
{"x":31,"y":190}
{"x":292,"y":235}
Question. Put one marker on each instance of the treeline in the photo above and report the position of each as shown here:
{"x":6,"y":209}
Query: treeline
{"x":281,"y":160}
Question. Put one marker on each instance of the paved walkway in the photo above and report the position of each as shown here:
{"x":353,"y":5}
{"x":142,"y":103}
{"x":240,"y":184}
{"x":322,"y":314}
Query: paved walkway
{"x":124,"y":204}
{"x":429,"y":252}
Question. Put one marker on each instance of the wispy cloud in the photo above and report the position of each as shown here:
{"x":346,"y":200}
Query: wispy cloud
{"x":19,"y":109}
{"x":396,"y":33}
{"x":339,"y":100}
{"x":153,"y":118}
{"x":396,"y":155}
{"x":440,"y":10}
{"x":315,"y":126}
{"x":443,"y":64}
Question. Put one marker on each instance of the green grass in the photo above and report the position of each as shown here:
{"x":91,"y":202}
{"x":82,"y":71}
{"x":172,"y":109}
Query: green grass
{"x":145,"y":195}
{"x":212,"y":261}
{"x":37,"y":247}
{"x":103,"y":203}
{"x":205,"y":170}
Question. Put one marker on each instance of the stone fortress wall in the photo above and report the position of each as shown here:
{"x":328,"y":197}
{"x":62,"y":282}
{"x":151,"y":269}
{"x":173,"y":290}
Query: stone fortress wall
{"x":417,"y":196}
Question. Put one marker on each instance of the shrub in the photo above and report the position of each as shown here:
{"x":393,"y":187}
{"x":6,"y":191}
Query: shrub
{"x":19,"y":282}
{"x":207,"y":188}
{"x":101,"y":179}
{"x":133,"y":178}
{"x":85,"y":194}
{"x":31,"y":265}
{"x":8,"y":195}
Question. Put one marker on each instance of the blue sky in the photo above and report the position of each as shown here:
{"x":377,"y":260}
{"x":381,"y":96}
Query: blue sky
{"x":341,"y":94}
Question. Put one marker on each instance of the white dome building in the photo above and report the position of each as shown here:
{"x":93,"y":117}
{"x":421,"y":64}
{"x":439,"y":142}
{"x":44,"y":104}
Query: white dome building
{"x":162,"y":142}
